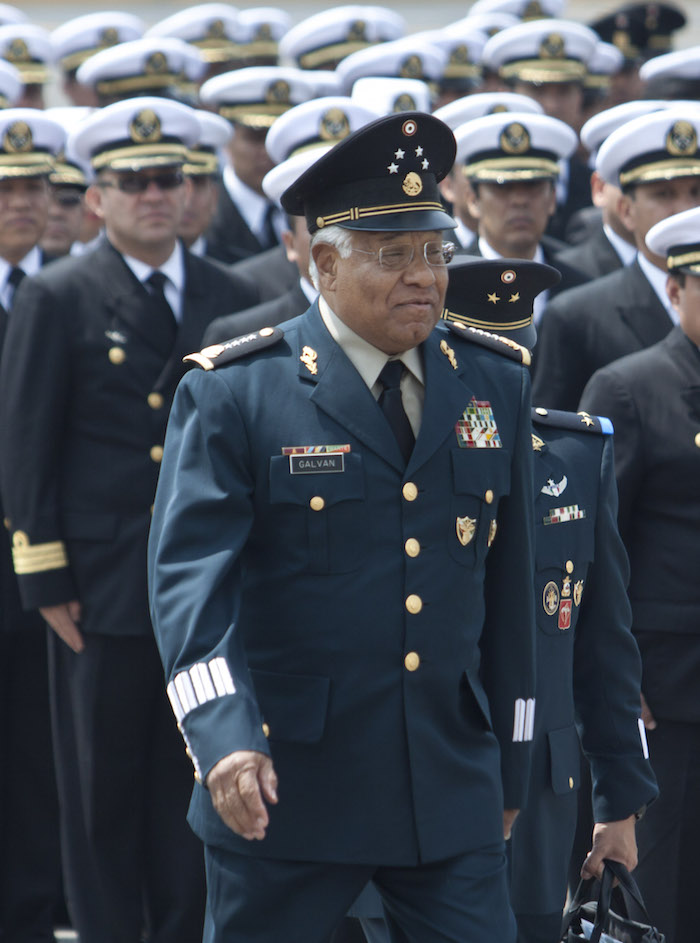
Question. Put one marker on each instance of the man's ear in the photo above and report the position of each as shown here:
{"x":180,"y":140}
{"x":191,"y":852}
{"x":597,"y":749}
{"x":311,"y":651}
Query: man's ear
{"x":446,"y":187}
{"x":93,"y":200}
{"x":473,"y":202}
{"x":326,"y":258}
{"x":625,"y":210}
{"x":673,"y":290}
{"x":288,"y":243}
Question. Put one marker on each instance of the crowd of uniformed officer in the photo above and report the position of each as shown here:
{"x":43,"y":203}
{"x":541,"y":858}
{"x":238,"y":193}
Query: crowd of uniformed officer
{"x":144,"y":220}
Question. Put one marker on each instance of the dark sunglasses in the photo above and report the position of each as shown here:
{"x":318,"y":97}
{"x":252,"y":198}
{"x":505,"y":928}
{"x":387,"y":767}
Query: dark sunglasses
{"x":138,"y":183}
{"x":67,"y":198}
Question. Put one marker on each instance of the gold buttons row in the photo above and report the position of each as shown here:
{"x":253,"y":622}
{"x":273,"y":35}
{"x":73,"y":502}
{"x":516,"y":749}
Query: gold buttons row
{"x":414,"y":604}
{"x":412,"y":547}
{"x":410,"y":491}
{"x":412,"y":661}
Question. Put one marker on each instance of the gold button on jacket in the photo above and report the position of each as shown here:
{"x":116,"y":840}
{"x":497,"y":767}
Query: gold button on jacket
{"x":412,"y":661}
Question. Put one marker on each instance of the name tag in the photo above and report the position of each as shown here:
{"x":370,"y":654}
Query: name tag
{"x":312,"y":464}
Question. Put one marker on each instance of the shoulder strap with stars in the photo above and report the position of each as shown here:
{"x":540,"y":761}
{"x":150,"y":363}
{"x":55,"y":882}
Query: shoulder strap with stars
{"x":218,"y":355}
{"x":502,"y":345}
{"x":574,"y":422}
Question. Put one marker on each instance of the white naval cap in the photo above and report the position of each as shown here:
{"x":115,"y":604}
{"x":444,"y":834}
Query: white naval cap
{"x":485,"y":103}
{"x":10,"y":14}
{"x":324,"y":82}
{"x":214,"y":133}
{"x":523,"y":9}
{"x":322,"y":40}
{"x":463,"y":45}
{"x":489,"y":23}
{"x":28,"y":142}
{"x":142,"y":65}
{"x":136,"y":133}
{"x":78,"y":39}
{"x":606,"y":61}
{"x":258,"y":95}
{"x":516,"y":145}
{"x":681,"y":64}
{"x":387,"y":95}
{"x":541,"y":51}
{"x":260,"y":30}
{"x":677,"y":239}
{"x":662,"y":145}
{"x":11,"y":84}
{"x":211,"y":27}
{"x":314,"y":124}
{"x":28,"y":48}
{"x":602,"y":125}
{"x":69,"y":169}
{"x":408,"y":58}
{"x":277,"y":180}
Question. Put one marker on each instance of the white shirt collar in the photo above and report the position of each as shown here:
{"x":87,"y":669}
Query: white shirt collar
{"x":250,"y":204}
{"x":174,"y":270}
{"x":199,"y":246}
{"x":310,"y":292}
{"x":625,"y":251}
{"x":30,"y":265}
{"x":657,"y":279}
{"x":367,"y":359}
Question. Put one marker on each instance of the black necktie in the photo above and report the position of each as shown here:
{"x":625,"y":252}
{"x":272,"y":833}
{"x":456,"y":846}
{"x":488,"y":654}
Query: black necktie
{"x":268,"y":233}
{"x":164,"y":325}
{"x":391,"y":404}
{"x":14,"y":279}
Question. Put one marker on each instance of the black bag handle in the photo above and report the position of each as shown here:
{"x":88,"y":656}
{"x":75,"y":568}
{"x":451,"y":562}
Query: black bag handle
{"x":612,"y":869}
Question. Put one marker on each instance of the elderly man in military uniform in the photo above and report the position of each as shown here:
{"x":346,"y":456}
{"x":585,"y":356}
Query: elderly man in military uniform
{"x":341,"y":578}
{"x":653,"y":397}
{"x":82,"y":434}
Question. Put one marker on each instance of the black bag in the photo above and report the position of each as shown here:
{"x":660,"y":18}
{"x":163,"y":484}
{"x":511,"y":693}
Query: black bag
{"x":627,"y":923}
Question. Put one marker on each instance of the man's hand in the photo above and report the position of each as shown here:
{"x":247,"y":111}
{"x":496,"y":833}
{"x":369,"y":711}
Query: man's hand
{"x":647,"y":716}
{"x":64,"y":620}
{"x":615,"y":840}
{"x":509,"y":816}
{"x":240,"y":784}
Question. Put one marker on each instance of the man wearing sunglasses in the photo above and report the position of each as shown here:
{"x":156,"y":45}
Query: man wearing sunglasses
{"x":83,"y":431}
{"x":341,"y":577}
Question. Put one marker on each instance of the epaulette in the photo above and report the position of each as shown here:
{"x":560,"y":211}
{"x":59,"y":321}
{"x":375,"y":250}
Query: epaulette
{"x":575,"y":422}
{"x":502,"y":345}
{"x":218,"y":355}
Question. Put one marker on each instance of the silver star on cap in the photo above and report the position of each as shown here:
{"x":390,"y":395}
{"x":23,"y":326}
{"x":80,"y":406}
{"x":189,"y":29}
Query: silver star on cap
{"x":425,"y":163}
{"x":399,"y":155}
{"x":393,"y":168}
{"x":419,"y":151}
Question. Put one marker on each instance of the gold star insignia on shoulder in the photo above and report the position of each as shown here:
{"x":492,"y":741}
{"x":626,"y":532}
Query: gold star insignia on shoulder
{"x":586,"y":419}
{"x":449,"y":353}
{"x":493,"y":298}
{"x":537,"y":443}
{"x":515,"y":297}
{"x":308,"y":358}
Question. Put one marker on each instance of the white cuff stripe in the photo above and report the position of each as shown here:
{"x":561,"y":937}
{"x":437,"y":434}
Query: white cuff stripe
{"x":643,"y":738}
{"x":524,"y":720}
{"x":202,"y":683}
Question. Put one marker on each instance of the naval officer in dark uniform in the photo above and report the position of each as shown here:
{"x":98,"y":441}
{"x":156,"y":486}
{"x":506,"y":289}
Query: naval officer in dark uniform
{"x":653,"y":397}
{"x":583,"y":621}
{"x":92,"y":357}
{"x":341,"y":578}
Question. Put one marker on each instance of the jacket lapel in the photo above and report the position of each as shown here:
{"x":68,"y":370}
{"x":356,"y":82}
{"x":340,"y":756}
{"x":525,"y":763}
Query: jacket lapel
{"x":127,"y":304}
{"x":640,"y":308}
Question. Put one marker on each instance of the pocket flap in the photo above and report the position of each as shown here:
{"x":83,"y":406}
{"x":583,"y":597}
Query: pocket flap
{"x":556,"y":543}
{"x":565,"y":758}
{"x":294,"y":707}
{"x":474,"y":471}
{"x":332,"y":486}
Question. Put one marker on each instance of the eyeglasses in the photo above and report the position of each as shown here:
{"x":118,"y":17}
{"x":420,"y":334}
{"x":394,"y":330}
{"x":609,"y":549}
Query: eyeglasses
{"x":139,"y":183}
{"x":67,"y":198}
{"x":399,"y":256}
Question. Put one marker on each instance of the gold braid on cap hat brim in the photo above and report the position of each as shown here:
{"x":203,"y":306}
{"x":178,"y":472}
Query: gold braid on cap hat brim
{"x":511,"y":168}
{"x":661,"y":170}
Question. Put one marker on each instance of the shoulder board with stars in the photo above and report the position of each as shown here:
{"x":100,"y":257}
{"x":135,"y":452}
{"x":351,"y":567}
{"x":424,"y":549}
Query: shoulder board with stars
{"x":218,"y":355}
{"x":574,"y":422}
{"x":502,"y":345}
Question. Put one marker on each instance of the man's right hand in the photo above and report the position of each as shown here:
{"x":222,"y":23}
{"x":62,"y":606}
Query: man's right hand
{"x":64,"y":620}
{"x":239,"y":785}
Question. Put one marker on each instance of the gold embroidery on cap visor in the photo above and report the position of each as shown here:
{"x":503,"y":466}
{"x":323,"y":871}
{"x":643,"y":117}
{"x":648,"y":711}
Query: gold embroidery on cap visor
{"x":201,"y":164}
{"x":500,"y":169}
{"x":544,"y":70}
{"x":687,"y":259}
{"x":362,"y":212}
{"x":661,"y":170}
{"x":260,"y":114}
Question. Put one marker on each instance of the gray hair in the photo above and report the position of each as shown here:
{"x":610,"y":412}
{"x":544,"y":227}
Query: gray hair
{"x":335,"y":236}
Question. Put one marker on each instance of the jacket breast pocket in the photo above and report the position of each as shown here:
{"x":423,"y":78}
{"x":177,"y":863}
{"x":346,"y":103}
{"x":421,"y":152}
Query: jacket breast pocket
{"x":293,"y":707}
{"x":326,"y":510}
{"x":564,"y":553}
{"x":565,"y":760}
{"x":480,"y":478}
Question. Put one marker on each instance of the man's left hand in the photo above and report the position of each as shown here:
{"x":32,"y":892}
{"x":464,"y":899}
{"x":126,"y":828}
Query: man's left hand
{"x":509,"y":816}
{"x":615,"y":840}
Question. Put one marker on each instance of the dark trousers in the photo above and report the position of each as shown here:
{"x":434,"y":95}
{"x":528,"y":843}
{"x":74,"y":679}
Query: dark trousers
{"x":29,"y":843}
{"x":669,"y":834}
{"x":263,"y":900}
{"x":131,"y":862}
